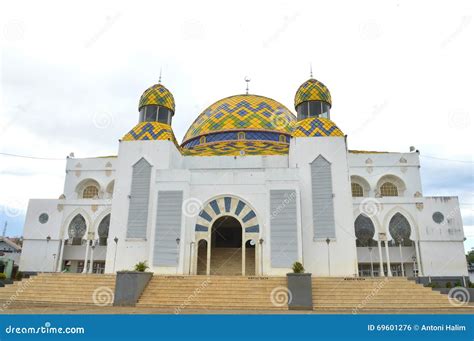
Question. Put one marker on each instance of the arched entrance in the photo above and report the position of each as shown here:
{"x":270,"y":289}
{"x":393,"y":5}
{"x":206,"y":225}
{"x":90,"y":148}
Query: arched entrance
{"x":226,"y":246}
{"x":227,"y":234}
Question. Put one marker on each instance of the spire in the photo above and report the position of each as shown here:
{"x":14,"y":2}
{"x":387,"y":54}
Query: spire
{"x":159,"y":80}
{"x":247,"y":80}
{"x":310,"y":70}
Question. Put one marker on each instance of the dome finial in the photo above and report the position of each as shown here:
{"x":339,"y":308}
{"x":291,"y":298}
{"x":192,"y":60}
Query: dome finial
{"x":310,"y":70}
{"x":247,"y":80}
{"x":159,"y":79}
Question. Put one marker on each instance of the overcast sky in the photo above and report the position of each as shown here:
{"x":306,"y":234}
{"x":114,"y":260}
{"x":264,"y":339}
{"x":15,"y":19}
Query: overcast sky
{"x":400,"y":74}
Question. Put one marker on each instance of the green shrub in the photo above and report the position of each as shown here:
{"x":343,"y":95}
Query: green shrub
{"x":458,"y":284}
{"x":298,"y":268}
{"x":19,"y":276}
{"x":432,"y":285}
{"x":141,"y":266}
{"x":449,"y":285}
{"x":2,"y":276}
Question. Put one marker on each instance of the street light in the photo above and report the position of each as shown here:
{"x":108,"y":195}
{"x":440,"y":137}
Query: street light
{"x":115,"y":256}
{"x":329,"y":259}
{"x":400,"y":241}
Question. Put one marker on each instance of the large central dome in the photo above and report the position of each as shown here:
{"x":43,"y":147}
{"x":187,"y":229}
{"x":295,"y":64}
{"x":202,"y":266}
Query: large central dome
{"x":250,"y":114}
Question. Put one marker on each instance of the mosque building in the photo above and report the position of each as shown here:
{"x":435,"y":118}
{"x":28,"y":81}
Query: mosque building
{"x":252,"y":188}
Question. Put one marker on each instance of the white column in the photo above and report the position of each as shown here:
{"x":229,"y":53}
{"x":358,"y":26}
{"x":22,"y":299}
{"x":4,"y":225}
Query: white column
{"x":59,"y":267}
{"x":243,"y":256}
{"x":85,"y":258}
{"x":208,"y":265}
{"x":92,"y":260}
{"x":389,"y":272}
{"x":381,"y":272}
{"x":418,"y":261}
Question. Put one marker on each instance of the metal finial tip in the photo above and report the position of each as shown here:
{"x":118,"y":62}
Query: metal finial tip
{"x":247,"y":80}
{"x":311,"y":70}
{"x":159,"y":79}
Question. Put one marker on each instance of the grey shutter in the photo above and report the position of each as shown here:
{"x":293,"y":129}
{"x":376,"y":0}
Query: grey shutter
{"x":139,"y":197}
{"x":323,"y":205}
{"x":284,"y":231}
{"x":168,"y":228}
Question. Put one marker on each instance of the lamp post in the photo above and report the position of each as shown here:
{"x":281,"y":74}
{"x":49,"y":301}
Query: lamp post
{"x":400,"y":241}
{"x":91,"y":265}
{"x":329,"y":259}
{"x":415,"y":273}
{"x":177,"y":253}
{"x":371,"y":262}
{"x":260,"y":241}
{"x":115,"y":256}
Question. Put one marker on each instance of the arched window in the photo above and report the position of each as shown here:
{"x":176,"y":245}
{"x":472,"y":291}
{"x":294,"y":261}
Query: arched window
{"x":357,"y":190}
{"x":103,"y":230}
{"x":400,"y":230}
{"x":388,"y":189}
{"x":241,"y":136}
{"x":77,"y":229}
{"x":364,"y":231}
{"x":202,"y":139}
{"x":282,"y":138}
{"x":90,"y":192}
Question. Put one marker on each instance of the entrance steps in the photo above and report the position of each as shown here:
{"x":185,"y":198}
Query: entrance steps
{"x":212,"y":293}
{"x":60,"y":288}
{"x":226,"y":261}
{"x":367,"y":294}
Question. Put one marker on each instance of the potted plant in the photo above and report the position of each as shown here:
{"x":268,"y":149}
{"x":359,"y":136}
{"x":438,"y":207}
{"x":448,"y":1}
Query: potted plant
{"x":129,"y":285}
{"x":141,"y":266}
{"x":299,"y":288}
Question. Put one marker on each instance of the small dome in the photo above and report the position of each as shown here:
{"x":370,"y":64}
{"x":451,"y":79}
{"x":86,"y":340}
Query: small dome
{"x":157,"y":95}
{"x":312,"y":90}
{"x":316,"y":126}
{"x":242,"y":113}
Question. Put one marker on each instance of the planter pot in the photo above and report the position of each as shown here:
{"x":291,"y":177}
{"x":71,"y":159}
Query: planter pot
{"x":129,"y":285}
{"x":301,"y":291}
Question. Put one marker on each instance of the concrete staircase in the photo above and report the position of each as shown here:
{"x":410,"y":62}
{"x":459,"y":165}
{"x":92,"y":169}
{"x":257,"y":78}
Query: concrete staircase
{"x":213,"y":293}
{"x":60,"y":288}
{"x":226,"y":261}
{"x":365,"y":294}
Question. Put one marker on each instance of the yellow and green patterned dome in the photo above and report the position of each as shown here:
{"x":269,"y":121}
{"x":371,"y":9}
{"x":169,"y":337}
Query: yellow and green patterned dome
{"x":312,"y":90}
{"x":157,"y":95}
{"x":316,"y":126}
{"x":242,"y":113}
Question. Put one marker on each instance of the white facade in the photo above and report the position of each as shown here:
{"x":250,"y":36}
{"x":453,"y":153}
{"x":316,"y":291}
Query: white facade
{"x":245,"y":188}
{"x":440,"y":246}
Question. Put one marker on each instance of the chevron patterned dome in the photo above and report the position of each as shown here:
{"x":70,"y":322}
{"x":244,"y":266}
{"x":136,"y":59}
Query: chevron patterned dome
{"x":157,"y":94}
{"x":316,"y":126}
{"x":259,"y":118}
{"x":312,"y":90}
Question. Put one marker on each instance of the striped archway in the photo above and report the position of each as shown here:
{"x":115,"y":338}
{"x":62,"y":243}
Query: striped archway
{"x":232,"y":206}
